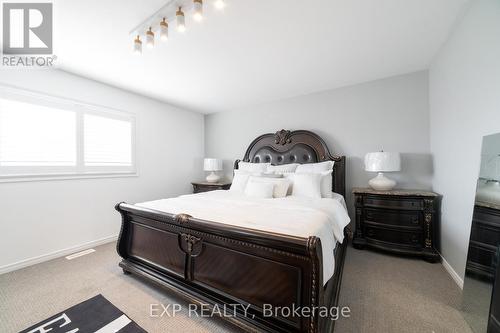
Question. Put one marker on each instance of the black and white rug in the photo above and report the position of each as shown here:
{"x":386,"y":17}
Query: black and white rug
{"x":95,"y":315}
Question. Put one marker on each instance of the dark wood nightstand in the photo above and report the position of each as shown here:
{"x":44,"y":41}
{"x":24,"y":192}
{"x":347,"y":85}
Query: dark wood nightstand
{"x":484,"y":241}
{"x":400,"y":221}
{"x":206,"y":186}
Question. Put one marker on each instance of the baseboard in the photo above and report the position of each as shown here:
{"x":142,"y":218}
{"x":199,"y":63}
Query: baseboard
{"x":56,"y":254}
{"x":458,"y":280}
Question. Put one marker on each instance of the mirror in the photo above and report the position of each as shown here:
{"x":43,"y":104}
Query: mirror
{"x":481,"y":294}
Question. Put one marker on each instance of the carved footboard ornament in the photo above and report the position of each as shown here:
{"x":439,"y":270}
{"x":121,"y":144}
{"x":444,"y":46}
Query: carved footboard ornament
{"x":221,"y":266}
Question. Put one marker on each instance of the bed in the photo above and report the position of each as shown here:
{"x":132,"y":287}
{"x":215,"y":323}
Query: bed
{"x":214,"y":262}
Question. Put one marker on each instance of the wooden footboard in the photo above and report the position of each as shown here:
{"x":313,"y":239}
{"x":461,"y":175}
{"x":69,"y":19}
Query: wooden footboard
{"x":220,"y":265}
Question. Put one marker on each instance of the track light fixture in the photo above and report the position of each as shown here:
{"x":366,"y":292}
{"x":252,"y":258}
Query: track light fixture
{"x":164,"y":30}
{"x":150,"y":38}
{"x":137,"y":45}
{"x":181,"y":22}
{"x":198,"y":10}
{"x":159,"y":21}
{"x":219,"y":4}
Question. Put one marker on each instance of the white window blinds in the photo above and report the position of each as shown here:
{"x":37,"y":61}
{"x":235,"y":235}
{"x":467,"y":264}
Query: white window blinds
{"x":33,"y":135}
{"x":107,"y":141}
{"x":45,"y":136}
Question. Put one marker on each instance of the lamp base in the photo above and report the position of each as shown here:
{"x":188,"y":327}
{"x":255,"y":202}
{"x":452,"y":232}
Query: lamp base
{"x":213,"y":178}
{"x":382,"y":183}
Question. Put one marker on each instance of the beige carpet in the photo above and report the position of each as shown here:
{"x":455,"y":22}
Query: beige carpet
{"x":385,"y":294}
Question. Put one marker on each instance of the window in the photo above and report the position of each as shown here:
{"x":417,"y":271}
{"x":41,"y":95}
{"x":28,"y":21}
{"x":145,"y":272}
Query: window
{"x":107,"y":142}
{"x":41,"y":136}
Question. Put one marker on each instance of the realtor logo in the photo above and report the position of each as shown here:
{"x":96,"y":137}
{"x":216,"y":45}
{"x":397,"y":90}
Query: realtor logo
{"x":27,"y":28}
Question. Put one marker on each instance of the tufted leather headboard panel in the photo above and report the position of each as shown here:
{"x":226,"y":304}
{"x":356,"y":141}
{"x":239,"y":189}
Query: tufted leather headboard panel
{"x":285,"y":147}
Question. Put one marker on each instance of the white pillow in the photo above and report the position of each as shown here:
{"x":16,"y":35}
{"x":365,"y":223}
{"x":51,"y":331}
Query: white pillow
{"x":240,"y":181}
{"x":259,"y":190}
{"x":326,"y":184}
{"x":307,"y":185}
{"x":271,"y":175}
{"x":280,"y":185}
{"x":315,"y":167}
{"x":283,"y":168}
{"x":253,"y":167}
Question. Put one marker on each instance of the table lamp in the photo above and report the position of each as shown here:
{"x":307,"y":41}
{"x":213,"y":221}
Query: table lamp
{"x":382,"y":162}
{"x":212,"y":165}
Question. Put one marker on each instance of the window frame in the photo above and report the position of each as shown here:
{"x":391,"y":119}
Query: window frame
{"x":37,"y":173}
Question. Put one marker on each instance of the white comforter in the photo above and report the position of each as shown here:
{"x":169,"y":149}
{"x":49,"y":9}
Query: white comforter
{"x":295,"y":216}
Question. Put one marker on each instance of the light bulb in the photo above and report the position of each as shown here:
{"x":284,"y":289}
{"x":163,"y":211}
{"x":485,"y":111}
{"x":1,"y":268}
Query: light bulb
{"x":219,"y":4}
{"x":150,"y":38}
{"x":163,"y":30}
{"x":198,"y":10}
{"x":181,"y":24}
{"x":137,"y":45}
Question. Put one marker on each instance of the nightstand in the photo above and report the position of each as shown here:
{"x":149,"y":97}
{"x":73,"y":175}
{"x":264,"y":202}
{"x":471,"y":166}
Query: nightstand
{"x":199,"y":187}
{"x":399,"y":221}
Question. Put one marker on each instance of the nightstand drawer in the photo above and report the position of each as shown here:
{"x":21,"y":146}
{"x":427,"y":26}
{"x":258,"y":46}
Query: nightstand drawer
{"x":392,"y":203}
{"x":394,"y":217}
{"x":481,"y":255}
{"x":485,"y":234}
{"x":412,"y":239}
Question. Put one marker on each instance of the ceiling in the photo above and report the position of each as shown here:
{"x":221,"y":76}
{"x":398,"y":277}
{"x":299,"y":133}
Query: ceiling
{"x":255,"y":51}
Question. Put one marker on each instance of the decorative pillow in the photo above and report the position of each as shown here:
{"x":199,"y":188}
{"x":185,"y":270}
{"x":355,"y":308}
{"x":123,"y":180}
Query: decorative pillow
{"x":307,"y":185}
{"x":289,"y":176}
{"x":253,"y":167}
{"x":315,"y":167}
{"x":259,"y":190}
{"x":280,"y":185}
{"x":283,"y":168}
{"x":326,"y":184}
{"x":271,"y":175}
{"x":243,"y":172}
{"x":240,"y":180}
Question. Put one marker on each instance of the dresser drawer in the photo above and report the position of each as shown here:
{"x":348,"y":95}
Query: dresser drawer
{"x":486,"y":216}
{"x":393,"y":203}
{"x":481,"y":255}
{"x":394,"y":217}
{"x":411,"y":239}
{"x":485,"y":234}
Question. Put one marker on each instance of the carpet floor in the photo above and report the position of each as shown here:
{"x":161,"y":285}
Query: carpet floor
{"x":384,"y":293}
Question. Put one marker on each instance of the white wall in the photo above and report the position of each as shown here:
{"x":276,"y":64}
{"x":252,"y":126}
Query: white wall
{"x":392,"y":114}
{"x":464,"y":106}
{"x":39,"y":218}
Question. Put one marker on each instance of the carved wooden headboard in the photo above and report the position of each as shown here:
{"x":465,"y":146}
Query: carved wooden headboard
{"x":302,"y":146}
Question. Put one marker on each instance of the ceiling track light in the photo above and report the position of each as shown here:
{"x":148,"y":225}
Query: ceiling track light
{"x":159,"y":21}
{"x":150,"y":38}
{"x":219,"y":4}
{"x":198,"y":10}
{"x":137,"y":45}
{"x":181,"y":20}
{"x":164,"y":30}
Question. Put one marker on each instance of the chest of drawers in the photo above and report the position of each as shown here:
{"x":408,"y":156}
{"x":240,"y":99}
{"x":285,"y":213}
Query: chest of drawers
{"x":400,"y":221}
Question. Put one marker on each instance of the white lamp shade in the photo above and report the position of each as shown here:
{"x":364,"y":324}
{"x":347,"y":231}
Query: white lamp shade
{"x":163,"y":31}
{"x":198,"y":10}
{"x":212,"y":164}
{"x":382,"y":162}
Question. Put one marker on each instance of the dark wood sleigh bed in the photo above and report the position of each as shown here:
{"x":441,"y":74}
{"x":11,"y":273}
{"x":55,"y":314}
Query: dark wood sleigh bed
{"x":215,"y":264}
